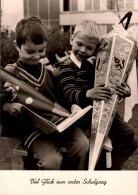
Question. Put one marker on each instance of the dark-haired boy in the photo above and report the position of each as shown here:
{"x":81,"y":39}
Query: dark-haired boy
{"x":31,"y":44}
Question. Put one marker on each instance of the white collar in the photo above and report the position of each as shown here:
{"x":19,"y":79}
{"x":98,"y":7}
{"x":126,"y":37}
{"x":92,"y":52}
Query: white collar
{"x":75,"y":60}
{"x":78,"y":62}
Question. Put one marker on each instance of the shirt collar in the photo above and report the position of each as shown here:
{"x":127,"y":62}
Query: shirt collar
{"x":74,"y":59}
{"x":78,"y":62}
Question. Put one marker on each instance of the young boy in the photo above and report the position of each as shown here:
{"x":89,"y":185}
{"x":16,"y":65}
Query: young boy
{"x":76,"y":76}
{"x":31,"y":45}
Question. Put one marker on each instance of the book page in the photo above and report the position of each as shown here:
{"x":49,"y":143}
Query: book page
{"x":45,"y":126}
{"x":70,"y":120}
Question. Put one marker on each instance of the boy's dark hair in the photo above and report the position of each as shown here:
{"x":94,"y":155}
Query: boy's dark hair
{"x":30,"y":29}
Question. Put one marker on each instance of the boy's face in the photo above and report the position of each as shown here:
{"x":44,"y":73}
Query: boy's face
{"x":30,"y":53}
{"x":83,"y":46}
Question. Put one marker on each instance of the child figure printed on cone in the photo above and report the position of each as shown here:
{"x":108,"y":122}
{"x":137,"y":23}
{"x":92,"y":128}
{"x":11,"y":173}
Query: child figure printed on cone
{"x":31,"y":39}
{"x":76,"y":76}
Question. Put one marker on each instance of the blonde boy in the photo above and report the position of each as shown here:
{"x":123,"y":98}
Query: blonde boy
{"x":76,"y":77}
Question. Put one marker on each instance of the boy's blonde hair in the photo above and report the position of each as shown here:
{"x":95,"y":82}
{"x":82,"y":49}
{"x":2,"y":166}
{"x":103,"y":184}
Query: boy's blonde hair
{"x":88,"y":28}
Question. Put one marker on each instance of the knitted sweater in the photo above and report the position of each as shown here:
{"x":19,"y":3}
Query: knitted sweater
{"x":76,"y":81}
{"x":39,"y":78}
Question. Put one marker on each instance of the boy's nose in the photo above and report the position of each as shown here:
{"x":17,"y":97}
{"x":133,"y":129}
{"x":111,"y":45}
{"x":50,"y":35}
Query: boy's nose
{"x":82,"y":49}
{"x":37,"y":56}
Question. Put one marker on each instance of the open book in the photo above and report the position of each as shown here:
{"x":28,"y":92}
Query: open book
{"x":45,"y":126}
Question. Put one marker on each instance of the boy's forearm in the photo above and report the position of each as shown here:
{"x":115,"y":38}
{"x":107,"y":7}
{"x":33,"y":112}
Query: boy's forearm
{"x":5,"y":107}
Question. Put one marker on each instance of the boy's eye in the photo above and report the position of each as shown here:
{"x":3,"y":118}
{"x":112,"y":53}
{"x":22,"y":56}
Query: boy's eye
{"x":30,"y":52}
{"x":42,"y":50}
{"x":79,"y":44}
{"x":90,"y":48}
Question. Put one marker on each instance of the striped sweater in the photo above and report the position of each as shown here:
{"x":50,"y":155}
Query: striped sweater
{"x":76,"y":81}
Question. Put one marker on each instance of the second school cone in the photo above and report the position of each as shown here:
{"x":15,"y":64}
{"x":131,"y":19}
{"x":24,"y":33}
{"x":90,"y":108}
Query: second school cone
{"x":23,"y":87}
{"x":35,"y":95}
{"x":34,"y":103}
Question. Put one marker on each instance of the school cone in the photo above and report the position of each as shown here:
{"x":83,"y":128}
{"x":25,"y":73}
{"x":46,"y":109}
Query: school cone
{"x":34,"y":103}
{"x":112,"y":73}
{"x":98,"y":137}
{"x":23,"y":87}
{"x":37,"y":99}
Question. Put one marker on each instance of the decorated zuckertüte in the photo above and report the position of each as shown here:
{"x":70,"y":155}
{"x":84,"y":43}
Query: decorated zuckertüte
{"x":28,"y":96}
{"x":113,"y":64}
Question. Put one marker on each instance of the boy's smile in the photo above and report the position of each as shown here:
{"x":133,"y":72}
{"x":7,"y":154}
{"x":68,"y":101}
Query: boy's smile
{"x":30,"y":53}
{"x":83,"y":46}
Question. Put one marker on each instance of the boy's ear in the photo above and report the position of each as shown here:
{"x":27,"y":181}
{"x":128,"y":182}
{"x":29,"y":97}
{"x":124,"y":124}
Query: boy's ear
{"x":71,"y":39}
{"x":15,"y":44}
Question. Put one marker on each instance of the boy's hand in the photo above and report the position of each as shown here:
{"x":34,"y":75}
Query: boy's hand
{"x":9,"y":91}
{"x":123,"y":90}
{"x":99,"y":93}
{"x":14,"y":109}
{"x":74,"y":109}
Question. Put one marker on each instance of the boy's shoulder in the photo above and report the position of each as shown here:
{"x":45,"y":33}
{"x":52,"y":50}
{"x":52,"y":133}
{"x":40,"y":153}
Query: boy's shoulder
{"x":68,"y":66}
{"x":11,"y":67}
{"x":67,"y":62}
